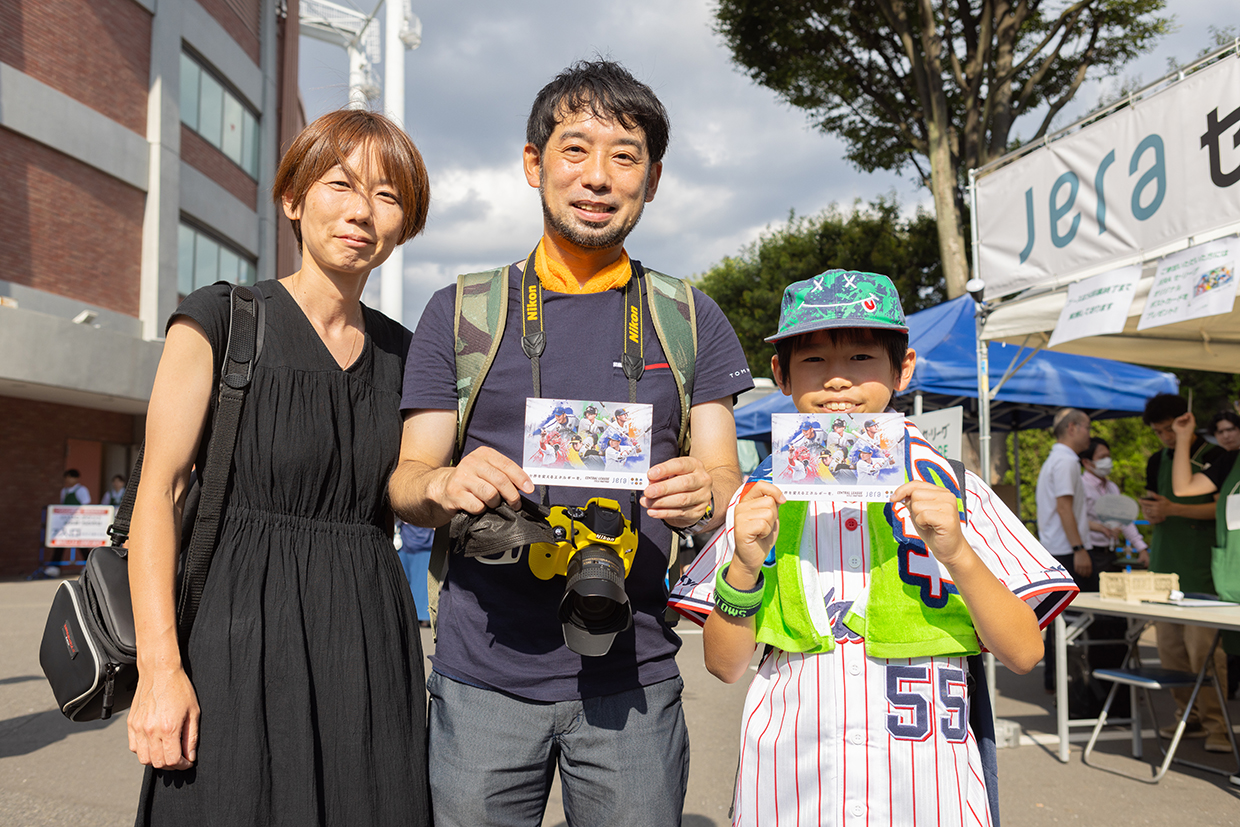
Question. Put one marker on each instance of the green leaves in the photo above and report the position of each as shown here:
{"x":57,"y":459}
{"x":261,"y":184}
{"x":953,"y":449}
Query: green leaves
{"x":872,"y":238}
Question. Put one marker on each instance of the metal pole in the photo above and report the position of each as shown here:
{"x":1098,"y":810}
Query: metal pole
{"x":917,"y":403}
{"x":357,"y":76}
{"x":392,"y":274}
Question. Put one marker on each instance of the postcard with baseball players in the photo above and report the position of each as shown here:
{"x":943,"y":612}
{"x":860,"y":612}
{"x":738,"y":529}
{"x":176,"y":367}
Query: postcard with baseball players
{"x":843,"y":457}
{"x":587,"y":444}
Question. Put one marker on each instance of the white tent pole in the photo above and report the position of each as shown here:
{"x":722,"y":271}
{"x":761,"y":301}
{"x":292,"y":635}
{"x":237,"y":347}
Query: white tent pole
{"x":392,"y":273}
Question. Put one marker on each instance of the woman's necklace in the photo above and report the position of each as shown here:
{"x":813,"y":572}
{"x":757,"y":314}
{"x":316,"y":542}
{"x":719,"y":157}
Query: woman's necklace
{"x":357,"y":325}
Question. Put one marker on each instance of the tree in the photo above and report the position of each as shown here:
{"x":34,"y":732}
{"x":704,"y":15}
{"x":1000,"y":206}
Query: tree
{"x":873,"y":238}
{"x":934,"y":86}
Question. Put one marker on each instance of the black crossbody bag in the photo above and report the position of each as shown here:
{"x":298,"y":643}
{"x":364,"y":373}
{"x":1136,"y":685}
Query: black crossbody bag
{"x":89,"y":649}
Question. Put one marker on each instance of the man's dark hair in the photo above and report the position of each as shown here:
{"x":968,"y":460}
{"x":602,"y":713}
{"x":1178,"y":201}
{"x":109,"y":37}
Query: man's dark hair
{"x":1164,"y":406}
{"x":894,"y":342}
{"x":1230,"y":416}
{"x":72,"y":472}
{"x":1094,"y":442}
{"x":607,"y":91}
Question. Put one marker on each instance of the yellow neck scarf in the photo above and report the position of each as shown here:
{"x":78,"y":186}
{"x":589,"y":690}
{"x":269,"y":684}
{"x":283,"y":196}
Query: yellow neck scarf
{"x":557,"y":277}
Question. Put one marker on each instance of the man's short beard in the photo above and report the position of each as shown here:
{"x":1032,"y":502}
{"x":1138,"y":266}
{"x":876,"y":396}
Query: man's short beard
{"x":587,"y":237}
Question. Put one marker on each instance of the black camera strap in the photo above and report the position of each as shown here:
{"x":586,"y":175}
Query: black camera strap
{"x":632,"y":359}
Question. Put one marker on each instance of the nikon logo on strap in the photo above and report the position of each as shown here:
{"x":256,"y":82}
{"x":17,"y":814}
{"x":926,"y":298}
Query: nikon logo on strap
{"x":531,"y":304}
{"x":635,"y":325}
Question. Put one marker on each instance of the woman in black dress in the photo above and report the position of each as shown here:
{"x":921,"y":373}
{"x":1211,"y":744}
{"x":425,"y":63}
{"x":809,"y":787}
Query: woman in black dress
{"x":299,"y":698}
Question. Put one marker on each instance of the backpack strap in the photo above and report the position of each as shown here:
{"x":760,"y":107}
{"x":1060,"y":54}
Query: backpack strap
{"x":478,"y":327}
{"x":675,"y":323}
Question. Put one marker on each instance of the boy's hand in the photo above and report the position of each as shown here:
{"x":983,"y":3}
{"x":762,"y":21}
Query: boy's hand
{"x":934,"y":511}
{"x":755,"y":527}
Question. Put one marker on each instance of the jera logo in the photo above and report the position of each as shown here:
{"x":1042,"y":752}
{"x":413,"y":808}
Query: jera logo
{"x":1156,"y":175}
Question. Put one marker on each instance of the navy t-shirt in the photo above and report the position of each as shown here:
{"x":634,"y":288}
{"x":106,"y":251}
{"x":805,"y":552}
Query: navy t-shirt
{"x":498,"y":624}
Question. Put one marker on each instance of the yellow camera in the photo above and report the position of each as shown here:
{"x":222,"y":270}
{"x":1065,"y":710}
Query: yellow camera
{"x":594,"y":549}
{"x":599,"y":523}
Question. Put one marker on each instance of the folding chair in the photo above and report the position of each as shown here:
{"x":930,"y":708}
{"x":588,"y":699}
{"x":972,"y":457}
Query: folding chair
{"x":1146,"y":678}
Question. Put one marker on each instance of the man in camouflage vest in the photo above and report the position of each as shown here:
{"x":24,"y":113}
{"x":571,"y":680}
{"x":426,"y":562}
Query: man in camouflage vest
{"x":509,"y":699}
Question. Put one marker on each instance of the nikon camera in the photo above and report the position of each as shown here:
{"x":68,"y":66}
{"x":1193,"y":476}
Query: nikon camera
{"x":594,"y":549}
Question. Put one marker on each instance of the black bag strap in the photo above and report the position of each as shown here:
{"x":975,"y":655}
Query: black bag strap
{"x":247,"y":319}
{"x":244,"y":343}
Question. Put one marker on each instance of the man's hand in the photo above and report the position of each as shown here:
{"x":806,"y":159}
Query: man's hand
{"x":1082,"y":562}
{"x":935,"y":512}
{"x":679,"y":491}
{"x":1155,"y":507}
{"x":755,"y":527}
{"x":483,"y":477}
{"x":1185,"y":427}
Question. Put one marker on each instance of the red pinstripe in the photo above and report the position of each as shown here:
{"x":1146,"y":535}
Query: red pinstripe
{"x":783,"y":713}
{"x":995,"y":521}
{"x":956,"y":769}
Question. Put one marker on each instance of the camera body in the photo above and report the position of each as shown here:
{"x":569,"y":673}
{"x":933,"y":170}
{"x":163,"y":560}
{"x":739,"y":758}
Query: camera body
{"x":599,"y":523}
{"x":594,"y":549}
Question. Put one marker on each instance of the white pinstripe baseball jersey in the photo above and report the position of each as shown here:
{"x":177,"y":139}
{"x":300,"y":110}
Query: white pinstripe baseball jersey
{"x":844,"y":739}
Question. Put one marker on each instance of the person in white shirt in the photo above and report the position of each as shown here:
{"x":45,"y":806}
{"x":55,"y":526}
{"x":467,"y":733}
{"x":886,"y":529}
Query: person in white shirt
{"x":116,"y":494}
{"x":74,"y":493}
{"x":1062,"y":524}
{"x":1096,"y":460}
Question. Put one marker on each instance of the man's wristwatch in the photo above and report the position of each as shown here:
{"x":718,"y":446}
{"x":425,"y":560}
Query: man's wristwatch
{"x":1078,"y":548}
{"x":687,"y":532}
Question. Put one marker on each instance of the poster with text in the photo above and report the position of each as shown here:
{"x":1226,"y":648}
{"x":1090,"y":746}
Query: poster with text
{"x":1192,"y":284}
{"x":843,"y":457}
{"x":1097,"y":305}
{"x":587,"y":444}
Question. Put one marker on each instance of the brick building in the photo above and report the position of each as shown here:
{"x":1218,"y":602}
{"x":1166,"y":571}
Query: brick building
{"x":139,"y":140}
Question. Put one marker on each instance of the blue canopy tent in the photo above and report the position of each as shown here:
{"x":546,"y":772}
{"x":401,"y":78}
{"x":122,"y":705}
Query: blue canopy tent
{"x":1040,"y":382}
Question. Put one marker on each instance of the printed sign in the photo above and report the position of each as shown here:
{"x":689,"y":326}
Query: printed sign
{"x":1197,"y":282}
{"x":1144,"y":177}
{"x":848,"y":457}
{"x":78,"y":526}
{"x":1097,"y":305}
{"x":943,"y":429}
{"x":587,"y":444}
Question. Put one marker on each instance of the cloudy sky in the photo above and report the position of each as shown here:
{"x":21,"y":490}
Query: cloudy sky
{"x":739,"y":159}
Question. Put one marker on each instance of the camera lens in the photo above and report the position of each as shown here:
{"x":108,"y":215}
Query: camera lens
{"x":595,"y":606}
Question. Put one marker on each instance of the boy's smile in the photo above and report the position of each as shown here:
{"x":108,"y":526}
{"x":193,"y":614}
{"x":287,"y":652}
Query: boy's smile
{"x":849,"y":377}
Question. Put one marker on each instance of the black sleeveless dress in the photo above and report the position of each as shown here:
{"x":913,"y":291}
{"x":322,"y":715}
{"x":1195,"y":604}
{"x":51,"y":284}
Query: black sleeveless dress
{"x":305,"y":653}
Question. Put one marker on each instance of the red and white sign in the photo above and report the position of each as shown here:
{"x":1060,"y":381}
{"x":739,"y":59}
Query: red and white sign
{"x":78,"y":526}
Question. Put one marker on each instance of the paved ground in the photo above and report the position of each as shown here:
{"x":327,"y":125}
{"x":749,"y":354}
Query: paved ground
{"x":55,"y":773}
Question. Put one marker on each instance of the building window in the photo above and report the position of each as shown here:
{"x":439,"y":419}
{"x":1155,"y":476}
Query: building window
{"x":203,"y":260}
{"x":209,"y":108}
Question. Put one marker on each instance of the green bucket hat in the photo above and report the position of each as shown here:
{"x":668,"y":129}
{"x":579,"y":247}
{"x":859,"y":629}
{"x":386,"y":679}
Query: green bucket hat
{"x":839,"y":298}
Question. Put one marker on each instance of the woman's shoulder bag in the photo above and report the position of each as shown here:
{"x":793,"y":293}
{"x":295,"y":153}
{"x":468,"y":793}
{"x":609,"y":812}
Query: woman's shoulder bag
{"x":89,"y":649}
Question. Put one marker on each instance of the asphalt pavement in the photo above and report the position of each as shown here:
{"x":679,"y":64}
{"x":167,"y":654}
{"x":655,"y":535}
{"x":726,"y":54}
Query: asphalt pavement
{"x":54,"y":773}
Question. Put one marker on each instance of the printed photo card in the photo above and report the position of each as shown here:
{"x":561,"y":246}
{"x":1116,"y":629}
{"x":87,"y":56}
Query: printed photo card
{"x":844,"y":457}
{"x":587,"y":444}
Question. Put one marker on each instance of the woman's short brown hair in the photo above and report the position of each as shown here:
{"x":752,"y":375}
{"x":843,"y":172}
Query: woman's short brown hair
{"x":329,"y":142}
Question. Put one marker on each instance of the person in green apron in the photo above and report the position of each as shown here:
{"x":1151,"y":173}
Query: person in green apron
{"x":74,"y":493}
{"x":1192,"y":470}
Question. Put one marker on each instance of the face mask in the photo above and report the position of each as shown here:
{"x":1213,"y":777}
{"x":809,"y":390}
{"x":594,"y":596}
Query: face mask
{"x":1103,"y":467}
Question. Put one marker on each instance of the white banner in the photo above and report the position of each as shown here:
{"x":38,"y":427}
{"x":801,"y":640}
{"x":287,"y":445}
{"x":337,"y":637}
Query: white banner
{"x":1097,"y":305}
{"x":78,"y":526}
{"x":942,"y":429}
{"x":1152,"y":174}
{"x":1200,"y":281}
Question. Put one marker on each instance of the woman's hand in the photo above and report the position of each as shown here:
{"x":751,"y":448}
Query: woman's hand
{"x":163,"y":721}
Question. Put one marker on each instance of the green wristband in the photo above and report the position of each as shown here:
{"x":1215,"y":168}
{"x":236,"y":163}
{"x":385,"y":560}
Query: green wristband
{"x":733,"y":602}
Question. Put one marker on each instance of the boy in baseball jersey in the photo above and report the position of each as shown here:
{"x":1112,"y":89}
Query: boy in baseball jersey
{"x":859,"y":713}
